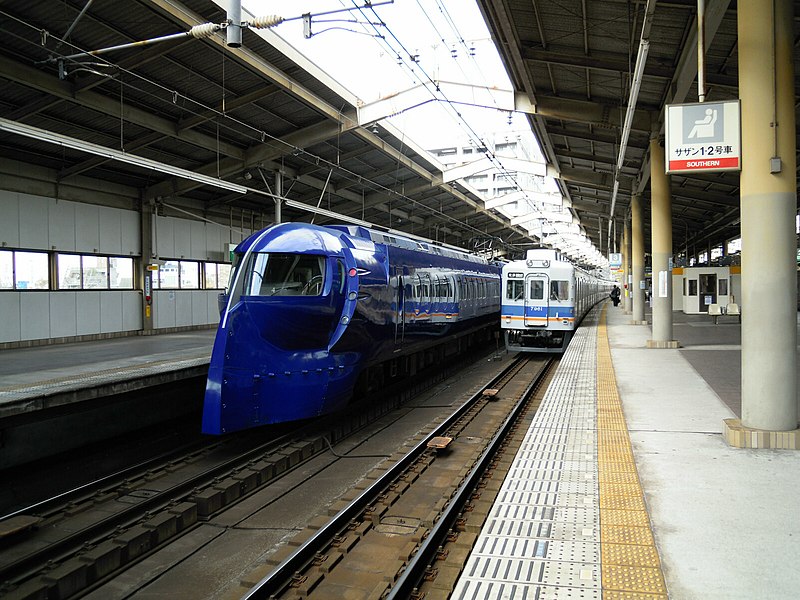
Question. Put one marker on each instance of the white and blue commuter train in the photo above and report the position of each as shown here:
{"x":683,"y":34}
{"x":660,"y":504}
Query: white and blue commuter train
{"x":544,"y":299}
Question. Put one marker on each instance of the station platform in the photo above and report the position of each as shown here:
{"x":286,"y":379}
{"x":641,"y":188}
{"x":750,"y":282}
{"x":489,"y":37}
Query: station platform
{"x":47,"y":376}
{"x":74,"y":395}
{"x":624,"y":486}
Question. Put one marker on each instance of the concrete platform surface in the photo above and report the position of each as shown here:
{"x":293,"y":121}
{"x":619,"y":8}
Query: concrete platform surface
{"x":726,"y":520}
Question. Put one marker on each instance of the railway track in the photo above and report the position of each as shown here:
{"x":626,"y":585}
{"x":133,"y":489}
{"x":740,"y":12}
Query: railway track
{"x":385,"y":541}
{"x":71,"y":544}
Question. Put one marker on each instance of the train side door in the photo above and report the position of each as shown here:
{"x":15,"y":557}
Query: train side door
{"x":536,"y":300}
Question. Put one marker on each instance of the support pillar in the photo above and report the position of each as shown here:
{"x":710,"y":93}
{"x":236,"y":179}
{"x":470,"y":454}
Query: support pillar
{"x":768,"y":198}
{"x":637,"y":260}
{"x":627,"y":264}
{"x":661,"y":228}
{"x":144,"y":276}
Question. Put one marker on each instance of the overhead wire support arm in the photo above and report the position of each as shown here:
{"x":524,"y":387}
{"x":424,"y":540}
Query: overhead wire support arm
{"x":307,"y":17}
{"x":203,"y":30}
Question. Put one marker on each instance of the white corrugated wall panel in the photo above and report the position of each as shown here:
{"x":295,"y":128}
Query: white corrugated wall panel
{"x":9,"y":219}
{"x":183,"y":238}
{"x":88,"y":305}
{"x":61,"y":216}
{"x":130,"y":225}
{"x":183,"y":308}
{"x":199,"y":307}
{"x":164,"y":244}
{"x":9,"y":324}
{"x":63,"y":314}
{"x":33,"y":308}
{"x":33,"y":222}
{"x":214,"y":245}
{"x":110,"y":312}
{"x":198,"y":250}
{"x":131,"y":311}
{"x":213,"y":306}
{"x":164,"y":309}
{"x":87,"y":228}
{"x":110,"y":230}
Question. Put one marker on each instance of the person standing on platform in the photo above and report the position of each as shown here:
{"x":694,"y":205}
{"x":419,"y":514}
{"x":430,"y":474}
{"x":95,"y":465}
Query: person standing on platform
{"x":614,"y":295}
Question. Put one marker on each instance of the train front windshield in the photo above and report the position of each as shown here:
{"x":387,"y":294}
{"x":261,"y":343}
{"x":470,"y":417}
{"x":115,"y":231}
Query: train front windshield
{"x":276,"y":274}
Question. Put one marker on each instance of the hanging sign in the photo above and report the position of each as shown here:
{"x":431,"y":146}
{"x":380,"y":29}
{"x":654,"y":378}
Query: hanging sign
{"x":703,"y":137}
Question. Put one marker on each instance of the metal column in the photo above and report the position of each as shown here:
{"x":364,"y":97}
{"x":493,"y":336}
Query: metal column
{"x":637,"y":260}
{"x":661,"y":228}
{"x":768,"y":198}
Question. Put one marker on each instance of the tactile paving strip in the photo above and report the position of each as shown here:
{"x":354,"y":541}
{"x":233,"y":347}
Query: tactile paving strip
{"x":550,"y":496}
{"x":570,"y":519}
{"x":631,"y":567}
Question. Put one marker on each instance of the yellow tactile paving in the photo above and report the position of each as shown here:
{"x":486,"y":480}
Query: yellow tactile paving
{"x":630,"y":565}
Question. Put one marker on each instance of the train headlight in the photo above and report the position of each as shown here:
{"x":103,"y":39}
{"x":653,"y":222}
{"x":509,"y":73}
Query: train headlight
{"x":345,"y":320}
{"x":352,"y":296}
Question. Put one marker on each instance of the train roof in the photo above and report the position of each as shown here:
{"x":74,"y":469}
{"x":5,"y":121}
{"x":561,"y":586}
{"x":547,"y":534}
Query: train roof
{"x":409,"y":243}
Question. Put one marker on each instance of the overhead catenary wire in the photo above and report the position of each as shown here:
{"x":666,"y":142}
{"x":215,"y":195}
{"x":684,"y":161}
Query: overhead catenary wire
{"x":140,"y":84}
{"x":404,"y":52}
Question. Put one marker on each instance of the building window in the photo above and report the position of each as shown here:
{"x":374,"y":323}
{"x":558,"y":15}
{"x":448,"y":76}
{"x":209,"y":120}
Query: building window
{"x":216,"y":275}
{"x":91,"y":272}
{"x":21,"y":270}
{"x":178,"y":275}
{"x":120,"y":273}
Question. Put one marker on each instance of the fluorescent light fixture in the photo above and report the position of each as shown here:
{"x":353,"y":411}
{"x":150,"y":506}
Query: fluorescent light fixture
{"x":638,"y":73}
{"x":43,"y":135}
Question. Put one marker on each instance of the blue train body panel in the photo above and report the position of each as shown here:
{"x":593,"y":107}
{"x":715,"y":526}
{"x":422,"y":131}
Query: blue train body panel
{"x":310,"y":307}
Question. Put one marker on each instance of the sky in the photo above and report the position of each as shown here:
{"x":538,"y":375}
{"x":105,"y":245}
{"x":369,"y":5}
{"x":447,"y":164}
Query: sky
{"x":379,"y":51}
{"x":447,"y":39}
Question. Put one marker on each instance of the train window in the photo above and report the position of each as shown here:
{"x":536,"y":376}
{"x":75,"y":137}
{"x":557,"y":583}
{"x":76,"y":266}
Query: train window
{"x":515,"y":289}
{"x":536,"y":290}
{"x":723,"y":287}
{"x":559,"y":290}
{"x":278,"y":274}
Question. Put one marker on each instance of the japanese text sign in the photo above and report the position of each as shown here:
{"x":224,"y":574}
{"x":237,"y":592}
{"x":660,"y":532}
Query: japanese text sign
{"x":704,"y":136}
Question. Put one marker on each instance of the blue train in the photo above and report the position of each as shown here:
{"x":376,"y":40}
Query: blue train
{"x":314,"y":311}
{"x":545,"y":298}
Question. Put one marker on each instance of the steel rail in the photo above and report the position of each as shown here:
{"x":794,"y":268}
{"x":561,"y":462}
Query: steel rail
{"x":415,"y":569}
{"x":276,"y":580}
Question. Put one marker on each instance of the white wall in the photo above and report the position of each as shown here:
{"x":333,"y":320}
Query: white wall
{"x":41,"y":315}
{"x":31,"y":222}
{"x":38,"y":223}
{"x":193,"y":240}
{"x":181,"y":308}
